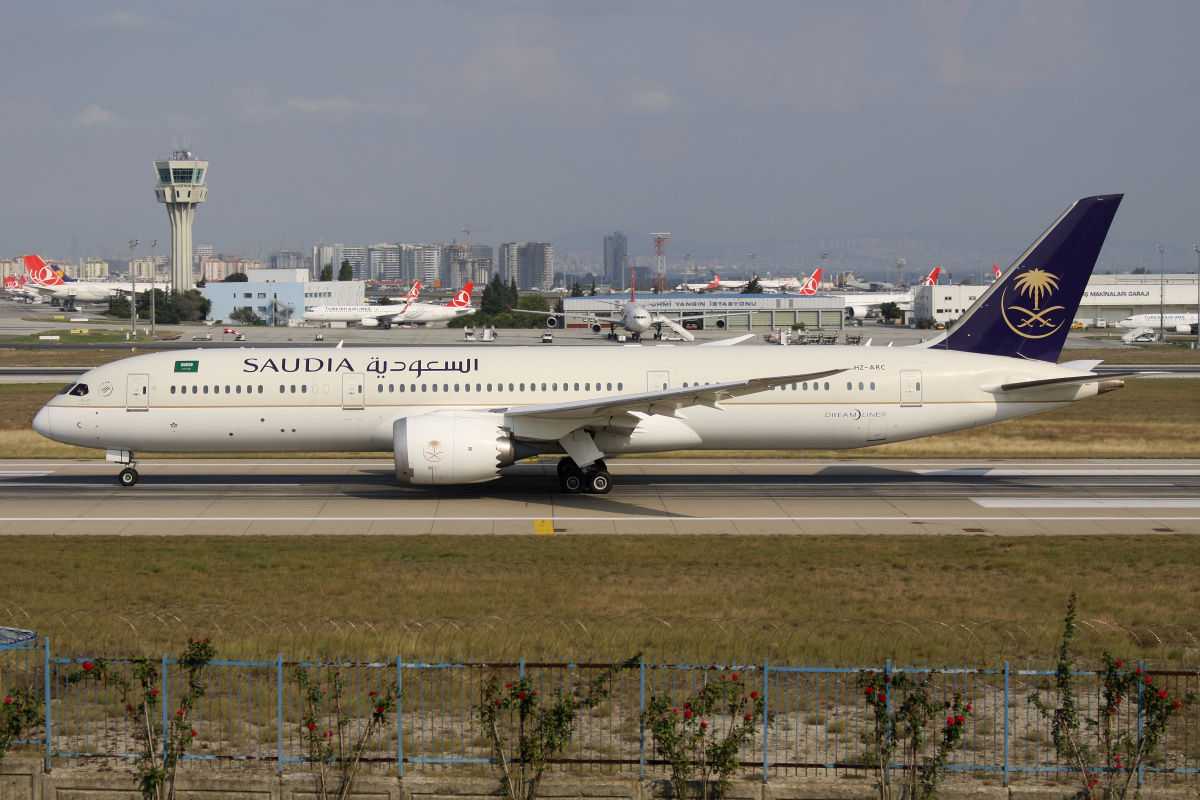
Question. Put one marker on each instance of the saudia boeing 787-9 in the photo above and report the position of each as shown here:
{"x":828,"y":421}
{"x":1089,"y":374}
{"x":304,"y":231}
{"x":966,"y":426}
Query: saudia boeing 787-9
{"x":460,"y":415}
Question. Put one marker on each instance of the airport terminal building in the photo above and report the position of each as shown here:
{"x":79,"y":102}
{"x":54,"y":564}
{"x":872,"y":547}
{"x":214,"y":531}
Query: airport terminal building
{"x":279,"y":295}
{"x":740,"y":312}
{"x":1109,"y":298}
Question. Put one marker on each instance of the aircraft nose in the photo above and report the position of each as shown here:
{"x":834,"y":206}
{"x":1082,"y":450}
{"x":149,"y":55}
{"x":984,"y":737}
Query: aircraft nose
{"x":41,"y":423}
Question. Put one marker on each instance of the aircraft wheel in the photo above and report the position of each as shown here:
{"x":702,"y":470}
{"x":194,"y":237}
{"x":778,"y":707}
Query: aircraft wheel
{"x":599,"y":482}
{"x":565,"y":464}
{"x":128,"y":476}
{"x":572,"y":481}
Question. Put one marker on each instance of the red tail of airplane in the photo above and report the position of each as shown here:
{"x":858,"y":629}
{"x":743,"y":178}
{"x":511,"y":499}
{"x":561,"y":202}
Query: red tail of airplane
{"x":932,"y":278}
{"x":716,"y":284}
{"x":463,"y":298}
{"x":11,"y":284}
{"x":812,"y":284}
{"x":42,"y":273}
{"x":996,"y":269}
{"x":412,"y":293}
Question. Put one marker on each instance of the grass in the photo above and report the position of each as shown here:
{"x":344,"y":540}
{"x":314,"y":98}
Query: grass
{"x":93,"y":336}
{"x":279,"y":596}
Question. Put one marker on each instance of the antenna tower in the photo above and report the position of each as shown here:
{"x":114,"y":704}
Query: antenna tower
{"x":660,"y":259}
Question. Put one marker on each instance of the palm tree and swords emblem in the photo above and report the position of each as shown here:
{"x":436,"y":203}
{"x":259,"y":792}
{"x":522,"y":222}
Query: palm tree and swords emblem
{"x":1036,"y":284}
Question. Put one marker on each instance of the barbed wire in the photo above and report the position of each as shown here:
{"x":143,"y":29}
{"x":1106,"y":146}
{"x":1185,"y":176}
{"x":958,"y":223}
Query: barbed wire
{"x":598,"y":638}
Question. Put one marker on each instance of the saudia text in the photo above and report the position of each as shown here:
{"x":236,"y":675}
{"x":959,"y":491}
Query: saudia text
{"x":378,"y":366}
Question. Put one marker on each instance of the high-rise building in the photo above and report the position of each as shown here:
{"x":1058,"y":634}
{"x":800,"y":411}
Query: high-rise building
{"x":531,"y":263}
{"x":383,"y":262}
{"x":200,"y":252}
{"x":181,"y":188}
{"x":616,"y":248}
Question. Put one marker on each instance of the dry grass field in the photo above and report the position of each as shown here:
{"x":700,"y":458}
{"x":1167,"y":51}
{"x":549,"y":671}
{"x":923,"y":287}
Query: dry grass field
{"x":1133,"y":581}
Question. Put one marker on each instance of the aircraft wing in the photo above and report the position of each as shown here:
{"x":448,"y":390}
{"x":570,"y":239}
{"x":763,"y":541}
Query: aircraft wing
{"x":588,"y":317}
{"x":666,"y":402}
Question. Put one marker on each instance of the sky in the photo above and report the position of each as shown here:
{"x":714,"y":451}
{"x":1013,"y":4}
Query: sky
{"x":722,"y":122}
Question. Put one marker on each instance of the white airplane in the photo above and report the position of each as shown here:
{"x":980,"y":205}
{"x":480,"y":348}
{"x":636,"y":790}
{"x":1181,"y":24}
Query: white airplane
{"x":453,"y":416}
{"x":387,"y":316}
{"x":48,"y":281}
{"x":1177,"y":323}
{"x":859,"y":304}
{"x":409,"y":296}
{"x":19,"y":288}
{"x":711,"y":286}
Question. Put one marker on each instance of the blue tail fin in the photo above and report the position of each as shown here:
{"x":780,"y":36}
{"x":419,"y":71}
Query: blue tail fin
{"x":1027,"y":312}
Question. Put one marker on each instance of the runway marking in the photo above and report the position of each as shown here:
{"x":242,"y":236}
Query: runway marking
{"x":631,"y":518}
{"x":1058,"y":473}
{"x":1086,"y":502}
{"x":147,"y":485}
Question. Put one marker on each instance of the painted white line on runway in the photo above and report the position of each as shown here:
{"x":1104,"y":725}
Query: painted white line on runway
{"x":630,"y":518}
{"x":1086,"y":502}
{"x":148,"y":485}
{"x":1057,"y":473}
{"x":25,"y":473}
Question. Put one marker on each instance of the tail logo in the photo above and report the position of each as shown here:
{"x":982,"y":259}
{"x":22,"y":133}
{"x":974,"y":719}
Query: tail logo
{"x":1037,"y":285}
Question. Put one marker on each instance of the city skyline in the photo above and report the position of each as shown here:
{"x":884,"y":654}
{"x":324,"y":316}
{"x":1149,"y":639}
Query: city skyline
{"x":791,"y":122}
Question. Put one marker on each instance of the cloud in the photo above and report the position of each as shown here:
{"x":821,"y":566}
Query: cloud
{"x":94,"y":115}
{"x":122,"y":20}
{"x":646,"y":101}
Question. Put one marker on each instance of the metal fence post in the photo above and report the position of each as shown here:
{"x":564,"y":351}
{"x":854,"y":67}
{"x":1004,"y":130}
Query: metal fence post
{"x":1006,"y":723}
{"x":766,"y":712}
{"x":642,"y":719}
{"x":887,"y":683}
{"x":522,"y":667}
{"x":46,"y":698}
{"x":279,"y":709}
{"x":400,"y":721}
{"x":1139,"y":720}
{"x":165,"y":730}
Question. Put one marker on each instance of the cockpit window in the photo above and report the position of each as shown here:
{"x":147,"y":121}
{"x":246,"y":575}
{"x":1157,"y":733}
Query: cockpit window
{"x":79,"y":390}
{"x":66,"y":388}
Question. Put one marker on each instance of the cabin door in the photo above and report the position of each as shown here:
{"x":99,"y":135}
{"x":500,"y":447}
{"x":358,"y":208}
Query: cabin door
{"x":910,"y":387}
{"x":137,"y":393}
{"x":352,"y":390}
{"x":657,"y":381}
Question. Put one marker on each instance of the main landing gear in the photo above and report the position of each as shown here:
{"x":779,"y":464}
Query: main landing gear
{"x":594,"y":480}
{"x":128,"y":476}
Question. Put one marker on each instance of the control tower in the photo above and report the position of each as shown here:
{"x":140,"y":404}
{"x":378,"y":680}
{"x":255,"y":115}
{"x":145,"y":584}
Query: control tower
{"x":181,"y":187}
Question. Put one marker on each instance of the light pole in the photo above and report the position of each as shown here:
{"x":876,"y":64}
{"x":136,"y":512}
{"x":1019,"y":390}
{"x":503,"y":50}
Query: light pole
{"x":1196,"y":247}
{"x":133,"y":243}
{"x":1162,"y":295}
{"x":153,"y":276}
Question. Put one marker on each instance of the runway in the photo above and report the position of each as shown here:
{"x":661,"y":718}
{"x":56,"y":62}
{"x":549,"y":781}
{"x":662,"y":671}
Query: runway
{"x":651,"y":496}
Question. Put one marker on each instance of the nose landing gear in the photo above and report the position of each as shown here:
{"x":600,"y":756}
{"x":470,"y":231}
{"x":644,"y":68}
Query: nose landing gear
{"x":128,"y":476}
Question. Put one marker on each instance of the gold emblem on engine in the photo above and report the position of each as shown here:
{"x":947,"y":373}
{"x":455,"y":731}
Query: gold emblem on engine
{"x":1036,"y":284}
{"x":433,"y":451}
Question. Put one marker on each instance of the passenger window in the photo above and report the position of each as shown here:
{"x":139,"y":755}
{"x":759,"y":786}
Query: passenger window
{"x":239,"y":389}
{"x":206,"y":388}
{"x":849,"y":385}
{"x":827,"y":386}
{"x":609,"y":389}
{"x":260,"y":389}
{"x":293,"y":388}
{"x":577,"y":387}
{"x":619,"y":386}
{"x":424,"y":387}
{"x":860,"y":386}
{"x":282,"y":389}
{"x":466,"y":386}
{"x":304,"y":388}
{"x":510,"y":387}
{"x":872,"y":386}
{"x":554,"y":387}
{"x":434,"y":385}
{"x":489,"y":387}
{"x":381,"y":388}
{"x":918,"y":386}
{"x":227,"y":390}
{"x":456,"y":387}
{"x":445,"y":387}
{"x":172,"y":390}
{"x":587,"y":387}
{"x":479,"y":387}
{"x":402,"y":387}
{"x":543,"y":387}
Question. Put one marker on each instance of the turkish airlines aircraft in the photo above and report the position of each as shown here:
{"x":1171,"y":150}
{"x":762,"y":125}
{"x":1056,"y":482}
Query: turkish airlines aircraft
{"x":812,"y":284}
{"x":1177,"y":323}
{"x":711,"y":286}
{"x":18,"y":287}
{"x":859,"y":304}
{"x":387,"y":316}
{"x":932,"y":278}
{"x":453,"y":415}
{"x":48,"y":281}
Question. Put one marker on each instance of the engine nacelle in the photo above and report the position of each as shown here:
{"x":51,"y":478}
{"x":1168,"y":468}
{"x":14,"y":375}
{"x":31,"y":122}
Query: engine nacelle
{"x":597,"y":327}
{"x":721,"y":323}
{"x":368,"y":322}
{"x":856,"y":312}
{"x":552,"y":322}
{"x":450,"y":447}
{"x":1183,"y":327}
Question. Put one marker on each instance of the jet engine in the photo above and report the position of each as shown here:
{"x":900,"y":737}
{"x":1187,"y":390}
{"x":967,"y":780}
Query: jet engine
{"x":450,"y":447}
{"x":597,"y":327}
{"x":721,"y":323}
{"x":369,"y":322}
{"x":1183,"y":327}
{"x":856,"y":312}
{"x":553,"y":322}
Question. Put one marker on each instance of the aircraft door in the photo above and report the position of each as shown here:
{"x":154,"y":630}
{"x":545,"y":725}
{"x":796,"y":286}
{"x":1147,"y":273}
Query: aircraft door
{"x":910,"y":387}
{"x":352,"y":390}
{"x":657,"y":381}
{"x":137,"y":393}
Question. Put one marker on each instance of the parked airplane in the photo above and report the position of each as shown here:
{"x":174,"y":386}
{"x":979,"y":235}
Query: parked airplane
{"x":711,"y":286}
{"x":1177,"y":323}
{"x":812,"y":284}
{"x":387,"y":316}
{"x":859,"y":304}
{"x":456,"y":416}
{"x":19,"y":288}
{"x":409,"y":296}
{"x":50,"y":282}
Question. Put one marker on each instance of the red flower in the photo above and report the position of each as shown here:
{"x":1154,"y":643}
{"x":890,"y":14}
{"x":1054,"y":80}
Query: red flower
{"x":181,"y":712}
{"x":87,"y":666}
{"x":733,"y":676}
{"x":1162,"y":694}
{"x":687,"y":714}
{"x":1175,"y":704}
{"x":8,"y":700}
{"x":507,"y":685}
{"x":325,"y":735}
{"x":1119,"y":662}
{"x":1149,"y":680}
{"x":687,"y":705}
{"x":312,"y":726}
{"x":379,"y":710}
{"x":497,"y":702}
{"x":754,"y":695}
{"x":960,"y":720}
{"x":746,"y":717}
{"x":154,"y":692}
{"x":193,"y":733}
{"x":947,"y":702}
{"x":1118,"y":701}
{"x":495,"y":677}
{"x":674,"y":710}
{"x":703,"y":724}
{"x":968,"y":706}
{"x":533,"y":693}
{"x":1139,"y":670}
{"x":127,"y":706}
{"x":191,"y":640}
{"x":870,"y":672}
{"x":883,"y":698}
{"x":1112,"y":711}
{"x":949,"y":721}
{"x":870,"y":689}
{"x":206,"y":640}
{"x":521,"y":695}
{"x":370,"y":694}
